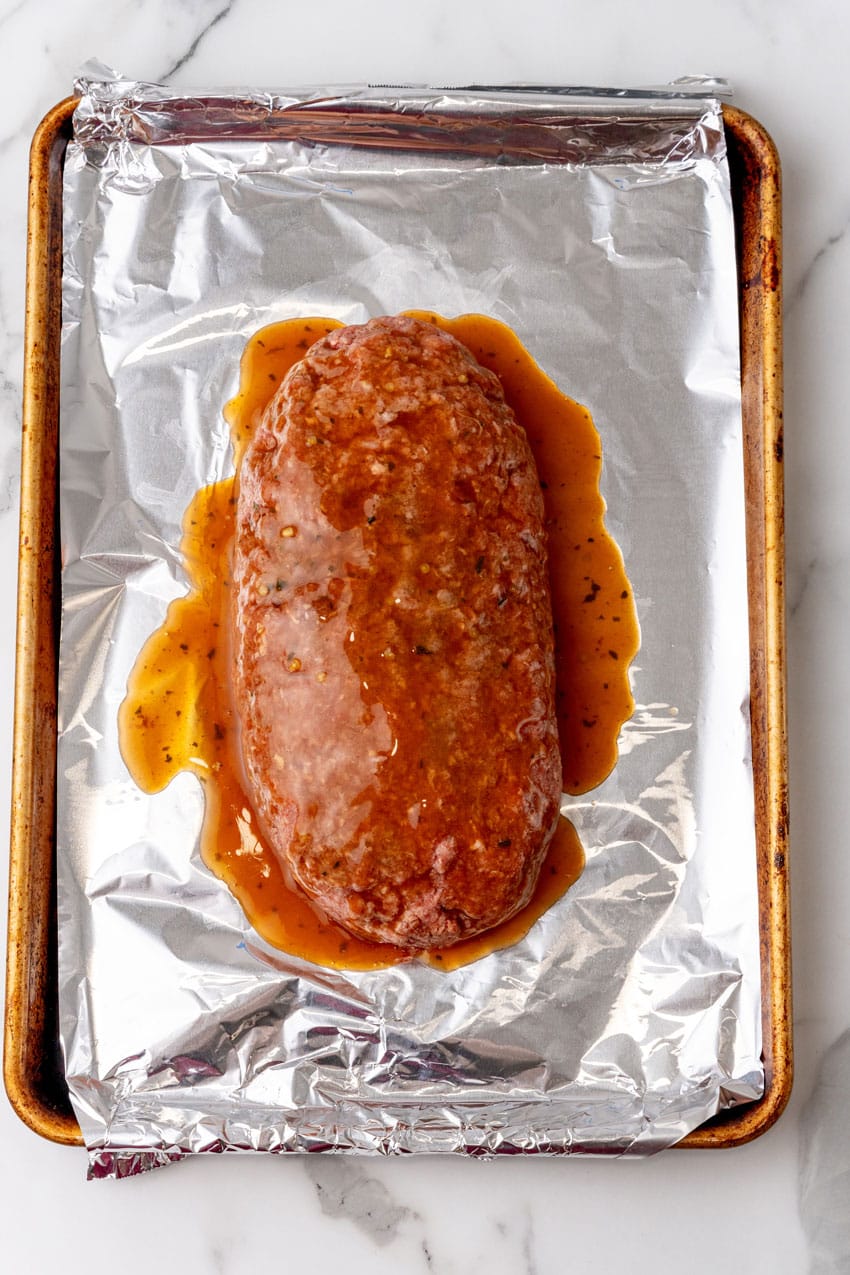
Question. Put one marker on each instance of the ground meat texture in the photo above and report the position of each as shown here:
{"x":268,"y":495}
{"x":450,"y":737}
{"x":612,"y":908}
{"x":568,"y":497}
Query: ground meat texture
{"x":392,"y":637}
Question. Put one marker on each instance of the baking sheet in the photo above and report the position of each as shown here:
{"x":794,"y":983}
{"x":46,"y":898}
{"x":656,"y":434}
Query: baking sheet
{"x":631,"y":1012}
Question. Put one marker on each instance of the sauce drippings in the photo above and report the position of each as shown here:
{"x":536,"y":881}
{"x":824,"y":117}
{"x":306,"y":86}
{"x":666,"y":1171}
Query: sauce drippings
{"x":178,"y":714}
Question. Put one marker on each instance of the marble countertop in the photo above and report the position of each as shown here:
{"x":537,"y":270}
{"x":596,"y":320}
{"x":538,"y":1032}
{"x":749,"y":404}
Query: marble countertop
{"x":778,"y":1204}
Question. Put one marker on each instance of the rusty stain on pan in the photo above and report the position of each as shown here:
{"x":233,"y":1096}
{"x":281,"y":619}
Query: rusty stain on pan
{"x":32,"y":1064}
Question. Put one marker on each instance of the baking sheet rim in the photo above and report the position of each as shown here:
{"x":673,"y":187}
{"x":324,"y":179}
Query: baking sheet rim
{"x":32,"y":868}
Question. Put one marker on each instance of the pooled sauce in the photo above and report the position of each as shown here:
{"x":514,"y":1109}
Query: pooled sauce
{"x":178,"y":714}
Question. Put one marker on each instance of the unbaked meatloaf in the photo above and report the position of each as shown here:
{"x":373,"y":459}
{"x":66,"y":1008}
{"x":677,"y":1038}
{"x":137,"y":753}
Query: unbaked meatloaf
{"x":392,"y":637}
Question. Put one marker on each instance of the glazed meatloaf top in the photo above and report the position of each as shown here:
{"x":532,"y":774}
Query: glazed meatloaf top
{"x":392,"y":637}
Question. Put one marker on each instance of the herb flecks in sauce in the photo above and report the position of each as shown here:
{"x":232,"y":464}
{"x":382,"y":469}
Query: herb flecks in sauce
{"x":178,"y":713}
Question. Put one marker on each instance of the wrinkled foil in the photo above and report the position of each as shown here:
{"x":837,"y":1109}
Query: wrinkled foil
{"x":598,"y":225}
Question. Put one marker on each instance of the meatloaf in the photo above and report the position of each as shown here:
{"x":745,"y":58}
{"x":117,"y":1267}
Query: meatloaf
{"x":392,"y":637}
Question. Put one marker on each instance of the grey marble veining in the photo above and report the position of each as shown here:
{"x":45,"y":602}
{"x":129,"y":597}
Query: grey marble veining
{"x":825,"y":1163}
{"x":823,"y":257}
{"x":346,"y":1189}
{"x":183,"y":59}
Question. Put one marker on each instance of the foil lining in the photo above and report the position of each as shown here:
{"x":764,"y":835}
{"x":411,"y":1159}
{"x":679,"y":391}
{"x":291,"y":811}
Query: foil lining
{"x":598,"y":225}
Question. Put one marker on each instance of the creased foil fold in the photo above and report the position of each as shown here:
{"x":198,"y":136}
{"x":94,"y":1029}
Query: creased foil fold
{"x":598,"y":225}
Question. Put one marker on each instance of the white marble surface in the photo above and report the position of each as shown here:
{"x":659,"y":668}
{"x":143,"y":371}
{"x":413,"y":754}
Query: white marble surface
{"x":779,"y":1204}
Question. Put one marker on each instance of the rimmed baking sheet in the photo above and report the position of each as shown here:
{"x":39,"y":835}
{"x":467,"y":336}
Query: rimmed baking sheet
{"x":33,"y":1073}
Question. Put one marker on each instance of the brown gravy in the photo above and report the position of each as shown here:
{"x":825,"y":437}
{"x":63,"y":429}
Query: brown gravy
{"x":178,"y":713}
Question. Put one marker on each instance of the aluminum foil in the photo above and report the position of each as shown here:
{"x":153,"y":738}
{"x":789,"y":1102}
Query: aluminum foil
{"x":597,"y":225}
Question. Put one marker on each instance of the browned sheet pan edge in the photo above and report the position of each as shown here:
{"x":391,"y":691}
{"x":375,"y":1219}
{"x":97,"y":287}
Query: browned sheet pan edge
{"x":32,"y":1071}
{"x":31,"y":1064}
